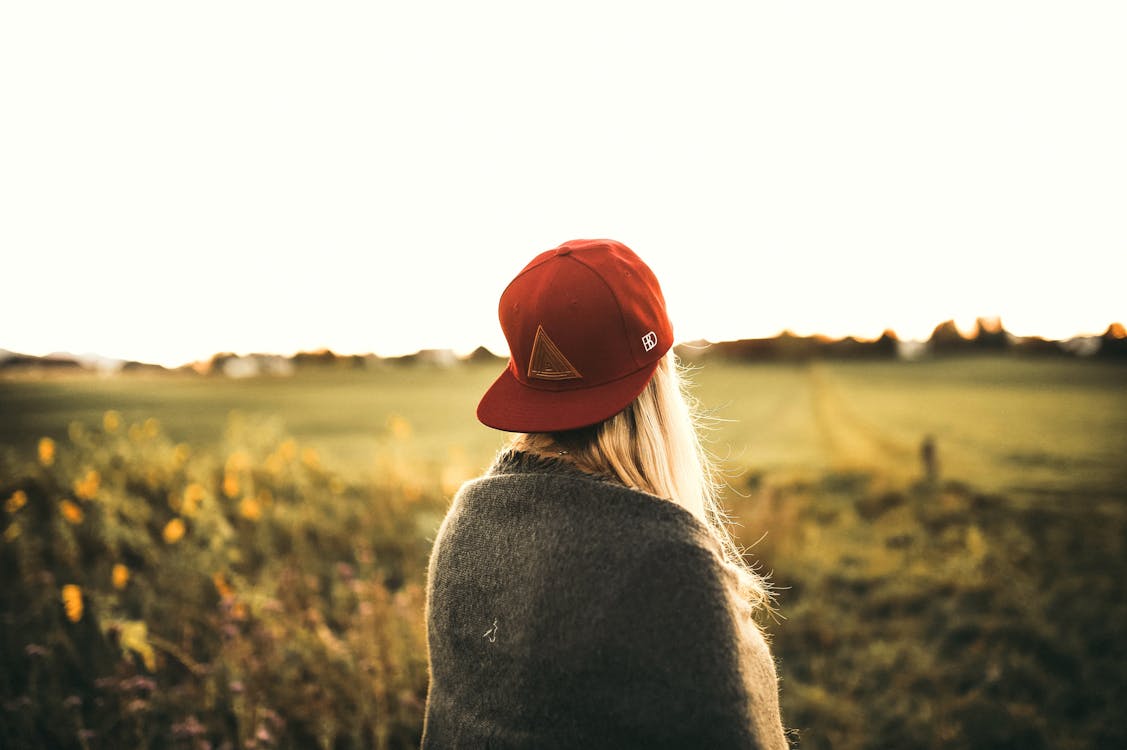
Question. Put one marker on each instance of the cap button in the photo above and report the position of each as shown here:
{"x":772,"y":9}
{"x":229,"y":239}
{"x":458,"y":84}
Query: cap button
{"x":565,"y":250}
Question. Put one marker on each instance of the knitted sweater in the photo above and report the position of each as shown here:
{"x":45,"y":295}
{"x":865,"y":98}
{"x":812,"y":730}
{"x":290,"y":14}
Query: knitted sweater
{"x":568,"y":611}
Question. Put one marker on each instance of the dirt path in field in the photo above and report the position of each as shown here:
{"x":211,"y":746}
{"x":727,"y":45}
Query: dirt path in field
{"x":850,"y":440}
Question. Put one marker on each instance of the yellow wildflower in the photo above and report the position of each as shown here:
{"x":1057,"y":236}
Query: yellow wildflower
{"x":16,"y":501}
{"x":400,"y":427}
{"x":250,"y":509}
{"x":311,"y":458}
{"x":174,"y":531}
{"x":46,"y":451}
{"x":87,"y":487}
{"x":111,"y":421}
{"x":238,"y":461}
{"x":274,"y":463}
{"x":151,"y":428}
{"x":288,"y":450}
{"x":120,"y":576}
{"x":193,"y":496}
{"x":12,"y":533}
{"x":221,"y":585}
{"x":72,"y":601}
{"x":136,"y":434}
{"x":71,"y":511}
{"x":181,"y":453}
{"x":231,"y":485}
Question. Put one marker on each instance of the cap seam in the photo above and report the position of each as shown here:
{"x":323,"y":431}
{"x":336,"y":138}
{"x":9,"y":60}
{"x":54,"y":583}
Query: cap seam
{"x":525,"y":270}
{"x":617,"y":303}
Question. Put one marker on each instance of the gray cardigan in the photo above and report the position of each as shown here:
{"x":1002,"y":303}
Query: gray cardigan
{"x":568,"y":611}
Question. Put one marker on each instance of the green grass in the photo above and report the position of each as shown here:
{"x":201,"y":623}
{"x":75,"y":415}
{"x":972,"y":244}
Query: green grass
{"x":1000,"y":423}
{"x":344,"y":413}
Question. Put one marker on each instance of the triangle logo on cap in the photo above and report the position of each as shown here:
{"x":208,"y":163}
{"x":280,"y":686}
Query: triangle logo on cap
{"x":547,"y":361}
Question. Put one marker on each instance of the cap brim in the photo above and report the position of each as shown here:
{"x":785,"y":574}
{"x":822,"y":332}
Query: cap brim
{"x":511,"y":406}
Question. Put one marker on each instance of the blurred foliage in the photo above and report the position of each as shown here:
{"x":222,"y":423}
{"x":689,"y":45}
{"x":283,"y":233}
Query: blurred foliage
{"x":157,"y":596}
{"x":930,"y":615}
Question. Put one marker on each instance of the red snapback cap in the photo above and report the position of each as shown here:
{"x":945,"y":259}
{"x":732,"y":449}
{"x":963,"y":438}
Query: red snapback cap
{"x":586,"y":326}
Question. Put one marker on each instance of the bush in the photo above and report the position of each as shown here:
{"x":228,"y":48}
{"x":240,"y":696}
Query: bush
{"x":156,"y":597}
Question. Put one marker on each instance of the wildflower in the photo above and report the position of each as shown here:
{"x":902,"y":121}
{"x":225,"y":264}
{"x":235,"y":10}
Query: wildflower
{"x":250,"y":509}
{"x":111,"y":421}
{"x":173,"y":531}
{"x":72,"y":602}
{"x":120,"y":576}
{"x":400,"y":427}
{"x":274,"y":463}
{"x":288,"y":450}
{"x":193,"y":496}
{"x":87,"y":487}
{"x":151,"y":428}
{"x":237,"y":461}
{"x":221,"y":585}
{"x":231,"y":485}
{"x":136,"y":434}
{"x":16,"y":501}
{"x":12,"y":533}
{"x":181,"y":453}
{"x":311,"y":458}
{"x":46,"y":451}
{"x":71,"y":511}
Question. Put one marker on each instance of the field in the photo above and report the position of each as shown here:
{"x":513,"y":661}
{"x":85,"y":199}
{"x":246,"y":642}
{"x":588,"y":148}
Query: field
{"x":272,"y":536}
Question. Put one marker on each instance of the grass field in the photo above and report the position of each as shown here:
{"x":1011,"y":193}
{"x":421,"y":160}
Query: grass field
{"x":205,"y":563}
{"x":999,"y":423}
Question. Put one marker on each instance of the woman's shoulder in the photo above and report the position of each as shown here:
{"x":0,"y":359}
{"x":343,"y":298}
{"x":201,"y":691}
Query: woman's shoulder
{"x":522,"y":486}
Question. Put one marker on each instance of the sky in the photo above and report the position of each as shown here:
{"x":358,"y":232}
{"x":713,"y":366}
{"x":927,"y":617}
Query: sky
{"x":182,"y":179}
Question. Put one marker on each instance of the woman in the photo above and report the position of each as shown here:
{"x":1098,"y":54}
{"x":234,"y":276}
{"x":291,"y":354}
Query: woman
{"x":584,"y":593}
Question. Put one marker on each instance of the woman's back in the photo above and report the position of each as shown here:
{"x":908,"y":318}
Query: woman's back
{"x":564,"y":610}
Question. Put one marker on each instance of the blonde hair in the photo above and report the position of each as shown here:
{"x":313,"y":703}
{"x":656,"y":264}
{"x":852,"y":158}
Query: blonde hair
{"x":654,"y":445}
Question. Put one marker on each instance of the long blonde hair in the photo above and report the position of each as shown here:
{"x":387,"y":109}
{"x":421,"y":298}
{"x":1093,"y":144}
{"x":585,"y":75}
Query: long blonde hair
{"x":654,"y":445}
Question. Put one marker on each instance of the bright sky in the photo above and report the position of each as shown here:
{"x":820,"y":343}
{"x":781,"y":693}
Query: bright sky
{"x":178,"y":179}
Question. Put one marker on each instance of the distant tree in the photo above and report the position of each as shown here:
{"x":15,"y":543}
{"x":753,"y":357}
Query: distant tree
{"x":990,"y":335}
{"x":218,"y":362}
{"x":481,"y":354}
{"x":888,"y":345}
{"x":320,"y":357}
{"x":1113,"y":343}
{"x":1037,"y":346}
{"x":946,"y":339}
{"x":846,"y":348}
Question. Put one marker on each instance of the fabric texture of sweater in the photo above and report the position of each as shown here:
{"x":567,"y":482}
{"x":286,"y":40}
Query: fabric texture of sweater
{"x":569,"y":611}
